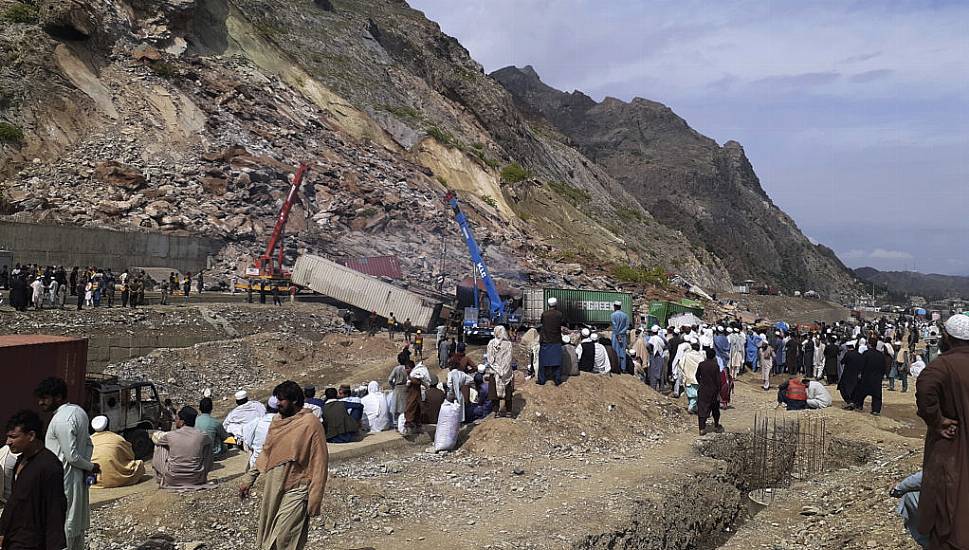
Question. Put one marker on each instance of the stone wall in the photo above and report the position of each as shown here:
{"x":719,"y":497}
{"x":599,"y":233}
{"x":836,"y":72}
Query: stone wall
{"x":71,"y":245}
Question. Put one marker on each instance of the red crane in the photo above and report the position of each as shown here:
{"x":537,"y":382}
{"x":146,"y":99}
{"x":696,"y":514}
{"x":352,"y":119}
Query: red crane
{"x":266,"y":266}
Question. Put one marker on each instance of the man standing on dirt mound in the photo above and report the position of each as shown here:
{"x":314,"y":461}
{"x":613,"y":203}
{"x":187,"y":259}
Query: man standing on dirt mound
{"x":942,"y":395}
{"x":550,"y":350}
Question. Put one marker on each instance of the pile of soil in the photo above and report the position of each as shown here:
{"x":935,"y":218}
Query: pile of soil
{"x":587,"y":413}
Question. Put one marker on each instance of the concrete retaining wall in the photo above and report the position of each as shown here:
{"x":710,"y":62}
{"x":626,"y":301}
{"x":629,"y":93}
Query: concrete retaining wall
{"x":104,"y":349}
{"x":82,"y":246}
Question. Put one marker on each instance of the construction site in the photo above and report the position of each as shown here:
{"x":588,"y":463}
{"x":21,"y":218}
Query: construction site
{"x":203,"y":199}
{"x":599,"y":462}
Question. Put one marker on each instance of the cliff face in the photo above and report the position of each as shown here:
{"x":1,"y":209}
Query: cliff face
{"x":687,"y":181}
{"x":188,"y":115}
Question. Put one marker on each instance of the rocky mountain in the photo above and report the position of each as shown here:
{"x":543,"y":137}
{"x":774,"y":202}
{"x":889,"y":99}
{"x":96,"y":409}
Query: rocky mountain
{"x":708,"y":192}
{"x":189,"y":116}
{"x":931,"y":286}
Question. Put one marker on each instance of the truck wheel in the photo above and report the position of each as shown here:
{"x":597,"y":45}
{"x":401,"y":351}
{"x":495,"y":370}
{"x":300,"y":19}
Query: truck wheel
{"x":141,"y":443}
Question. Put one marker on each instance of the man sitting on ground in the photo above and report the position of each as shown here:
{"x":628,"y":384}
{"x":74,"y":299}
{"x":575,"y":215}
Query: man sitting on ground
{"x":433,"y":399}
{"x":210,"y":426}
{"x":793,"y":394}
{"x":340,"y":427}
{"x":183,"y":457}
{"x":244,"y":412}
{"x":254,"y":433}
{"x":115,"y":456}
{"x":354,"y":407}
{"x":817,"y":395}
{"x":312,"y":403}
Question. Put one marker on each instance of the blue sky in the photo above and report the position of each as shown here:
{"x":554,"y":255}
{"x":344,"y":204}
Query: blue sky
{"x":855,"y":115}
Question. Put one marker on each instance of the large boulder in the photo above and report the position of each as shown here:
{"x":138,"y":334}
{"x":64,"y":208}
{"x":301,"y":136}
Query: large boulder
{"x":117,"y":174}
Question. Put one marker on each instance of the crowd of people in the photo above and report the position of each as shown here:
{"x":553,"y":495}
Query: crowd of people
{"x":48,"y":472}
{"x":39,"y":287}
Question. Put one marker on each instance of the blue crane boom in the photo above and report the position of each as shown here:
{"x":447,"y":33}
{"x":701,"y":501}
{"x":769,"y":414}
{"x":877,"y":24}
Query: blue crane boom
{"x":497,"y":307}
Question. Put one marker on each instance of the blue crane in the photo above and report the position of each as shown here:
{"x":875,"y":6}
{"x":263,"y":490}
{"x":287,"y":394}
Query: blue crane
{"x":497,"y":307}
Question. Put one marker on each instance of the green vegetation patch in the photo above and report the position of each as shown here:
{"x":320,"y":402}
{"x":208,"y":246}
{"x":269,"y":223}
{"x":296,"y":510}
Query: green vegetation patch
{"x":442,"y":136}
{"x":403,"y":112}
{"x":643,"y":275}
{"x":629,"y":215}
{"x":490,"y":201}
{"x":10,"y":133}
{"x":20,"y":13}
{"x":571,"y":193}
{"x":514,"y":173}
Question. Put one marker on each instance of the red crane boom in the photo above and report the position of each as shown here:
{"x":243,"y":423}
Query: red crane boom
{"x":265,"y":262}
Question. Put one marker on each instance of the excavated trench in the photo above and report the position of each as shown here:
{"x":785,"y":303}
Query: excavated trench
{"x":704,"y":510}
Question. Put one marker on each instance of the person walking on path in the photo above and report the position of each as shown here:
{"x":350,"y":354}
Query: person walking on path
{"x":294,"y":462}
{"x":942,"y":398}
{"x":708,"y":394}
{"x":872,"y":373}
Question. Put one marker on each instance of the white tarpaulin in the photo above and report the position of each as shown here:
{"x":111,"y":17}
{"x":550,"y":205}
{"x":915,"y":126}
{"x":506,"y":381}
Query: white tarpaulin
{"x":684,"y":319}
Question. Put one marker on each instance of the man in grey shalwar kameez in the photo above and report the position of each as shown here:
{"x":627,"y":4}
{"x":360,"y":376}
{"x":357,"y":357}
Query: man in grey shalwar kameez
{"x":398,"y":388}
{"x":68,"y":438}
{"x":183,"y":457}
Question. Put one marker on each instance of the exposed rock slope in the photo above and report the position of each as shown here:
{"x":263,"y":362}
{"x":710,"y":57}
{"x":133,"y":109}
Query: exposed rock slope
{"x":708,"y":192}
{"x":189,"y":116}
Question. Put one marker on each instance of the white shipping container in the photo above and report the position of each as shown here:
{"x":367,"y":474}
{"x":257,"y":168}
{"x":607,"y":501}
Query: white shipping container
{"x":365,"y":292}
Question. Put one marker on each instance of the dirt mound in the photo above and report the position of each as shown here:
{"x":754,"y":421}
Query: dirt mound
{"x":586,"y":414}
{"x":259,"y":362}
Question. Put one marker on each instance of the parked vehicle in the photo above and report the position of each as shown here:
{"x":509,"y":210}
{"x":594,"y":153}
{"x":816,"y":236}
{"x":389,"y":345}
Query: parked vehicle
{"x":132,"y":407}
{"x":578,"y":307}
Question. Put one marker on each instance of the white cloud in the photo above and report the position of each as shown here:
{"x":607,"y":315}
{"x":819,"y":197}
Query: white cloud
{"x":882,"y":254}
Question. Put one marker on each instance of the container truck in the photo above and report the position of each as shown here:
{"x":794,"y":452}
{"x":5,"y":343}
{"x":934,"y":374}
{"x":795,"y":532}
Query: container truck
{"x":366,"y":293}
{"x":578,"y":307}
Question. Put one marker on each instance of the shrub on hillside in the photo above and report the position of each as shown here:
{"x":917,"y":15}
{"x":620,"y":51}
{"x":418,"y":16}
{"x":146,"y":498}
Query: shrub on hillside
{"x":10,"y":133}
{"x":514,"y":173}
{"x":20,"y":13}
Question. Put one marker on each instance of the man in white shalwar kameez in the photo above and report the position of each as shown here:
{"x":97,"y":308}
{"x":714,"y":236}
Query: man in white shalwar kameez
{"x":68,"y":438}
{"x":246,"y":411}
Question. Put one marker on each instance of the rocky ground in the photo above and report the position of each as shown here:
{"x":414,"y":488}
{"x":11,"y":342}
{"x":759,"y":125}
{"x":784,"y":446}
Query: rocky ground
{"x":601,"y":462}
{"x":581,"y":466}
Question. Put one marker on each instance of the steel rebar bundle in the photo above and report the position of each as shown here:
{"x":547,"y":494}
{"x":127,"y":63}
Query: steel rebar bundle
{"x":783,"y":449}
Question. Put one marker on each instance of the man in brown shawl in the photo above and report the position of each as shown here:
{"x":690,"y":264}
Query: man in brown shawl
{"x":942,"y":395}
{"x":294,"y":463}
{"x":708,"y":396}
{"x":499,"y":357}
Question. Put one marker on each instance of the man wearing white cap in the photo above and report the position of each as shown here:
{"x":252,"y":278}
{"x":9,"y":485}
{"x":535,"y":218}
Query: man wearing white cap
{"x":620,"y":333}
{"x":254,"y":433}
{"x":600,"y":359}
{"x":115,"y":456}
{"x":245,"y":412}
{"x":656,"y":363}
{"x":942,"y":396}
{"x":550,"y":350}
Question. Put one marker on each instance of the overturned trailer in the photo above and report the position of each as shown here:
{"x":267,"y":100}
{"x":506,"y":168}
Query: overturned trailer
{"x":366,"y":293}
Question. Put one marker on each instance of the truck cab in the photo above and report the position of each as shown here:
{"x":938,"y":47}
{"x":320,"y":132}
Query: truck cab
{"x":132,"y":409}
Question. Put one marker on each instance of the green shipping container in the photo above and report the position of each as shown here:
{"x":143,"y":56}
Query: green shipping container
{"x":579,"y":307}
{"x":663,"y":310}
